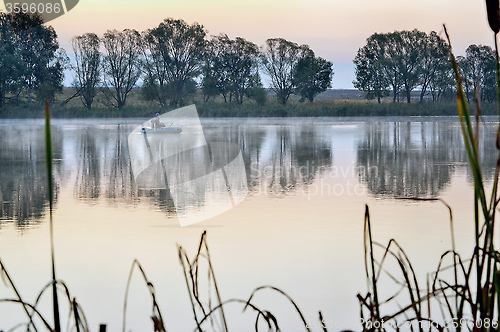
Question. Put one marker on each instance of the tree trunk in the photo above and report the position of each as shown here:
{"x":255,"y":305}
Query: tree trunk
{"x":422,"y":93}
{"x":2,"y":95}
{"x":281,"y":97}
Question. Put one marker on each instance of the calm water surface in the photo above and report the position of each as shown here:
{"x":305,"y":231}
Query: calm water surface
{"x":300,"y":228}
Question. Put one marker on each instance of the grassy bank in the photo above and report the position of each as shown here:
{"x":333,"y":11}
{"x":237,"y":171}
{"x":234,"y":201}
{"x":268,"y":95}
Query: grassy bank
{"x":249,"y":109}
{"x":331,"y":105}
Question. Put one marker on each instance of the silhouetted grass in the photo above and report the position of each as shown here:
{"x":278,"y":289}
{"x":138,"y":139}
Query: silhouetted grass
{"x":156,"y":316}
{"x":206,"y":310}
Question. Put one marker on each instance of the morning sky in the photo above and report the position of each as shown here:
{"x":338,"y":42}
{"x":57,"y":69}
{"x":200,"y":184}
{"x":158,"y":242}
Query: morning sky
{"x":334,"y":29}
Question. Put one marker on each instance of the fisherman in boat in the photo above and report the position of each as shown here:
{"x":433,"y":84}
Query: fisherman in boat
{"x":156,"y":123}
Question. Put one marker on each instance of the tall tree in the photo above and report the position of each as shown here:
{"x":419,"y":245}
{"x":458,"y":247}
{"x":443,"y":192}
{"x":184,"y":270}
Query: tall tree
{"x":390,"y":64}
{"x":313,"y":75}
{"x":174,"y":53}
{"x":53,"y":77}
{"x":401,"y":60}
{"x":155,"y":85}
{"x":232,"y":67}
{"x":10,"y":64}
{"x":217,"y":67}
{"x":434,"y":64}
{"x":36,"y":47}
{"x":442,"y":84}
{"x":406,"y":48}
{"x":279,"y":59}
{"x":479,"y":70}
{"x":87,"y":67}
{"x":369,"y":63}
{"x":122,"y":64}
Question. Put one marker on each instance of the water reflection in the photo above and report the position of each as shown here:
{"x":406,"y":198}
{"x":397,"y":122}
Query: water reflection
{"x":418,"y":159}
{"x":281,"y":157}
{"x":23,"y":178}
{"x":88,"y":178}
{"x":121,"y":185}
{"x":488,"y":154}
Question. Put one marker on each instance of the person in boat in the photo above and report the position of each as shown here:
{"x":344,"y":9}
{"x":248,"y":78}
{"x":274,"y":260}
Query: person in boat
{"x":156,"y":122}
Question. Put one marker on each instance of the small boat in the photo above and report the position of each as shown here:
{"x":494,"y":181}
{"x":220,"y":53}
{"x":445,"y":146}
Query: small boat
{"x":163,"y":130}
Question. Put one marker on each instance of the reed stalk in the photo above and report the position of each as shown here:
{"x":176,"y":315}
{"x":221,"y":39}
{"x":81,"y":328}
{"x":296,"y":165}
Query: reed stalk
{"x":50,"y":186}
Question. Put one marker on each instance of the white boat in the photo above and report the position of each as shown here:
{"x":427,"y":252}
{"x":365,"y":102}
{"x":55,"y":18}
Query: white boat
{"x":163,"y":130}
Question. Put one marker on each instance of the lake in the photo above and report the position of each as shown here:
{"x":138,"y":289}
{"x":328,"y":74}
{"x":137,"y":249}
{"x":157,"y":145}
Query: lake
{"x":299,"y":228}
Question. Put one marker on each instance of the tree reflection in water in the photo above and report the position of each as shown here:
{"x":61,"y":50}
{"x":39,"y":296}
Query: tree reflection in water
{"x":88,"y":178}
{"x":278,"y":159}
{"x":417,"y":159}
{"x":394,"y":159}
{"x":23,"y":176}
{"x":104,"y":169}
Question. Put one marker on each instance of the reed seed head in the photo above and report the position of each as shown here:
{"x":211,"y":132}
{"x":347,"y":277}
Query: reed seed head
{"x":492,"y":8}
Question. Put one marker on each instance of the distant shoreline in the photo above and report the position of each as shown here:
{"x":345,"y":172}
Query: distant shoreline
{"x":315,"y":109}
{"x":332,"y":103}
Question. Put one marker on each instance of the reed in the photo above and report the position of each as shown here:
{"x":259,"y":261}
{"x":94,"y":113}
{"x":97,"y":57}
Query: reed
{"x":156,"y":316}
{"x":486,"y":256}
{"x":48,"y":149}
{"x":206,"y":310}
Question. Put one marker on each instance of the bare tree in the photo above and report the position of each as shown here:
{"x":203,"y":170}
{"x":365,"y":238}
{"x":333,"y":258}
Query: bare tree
{"x":122,"y":64}
{"x":87,"y":67}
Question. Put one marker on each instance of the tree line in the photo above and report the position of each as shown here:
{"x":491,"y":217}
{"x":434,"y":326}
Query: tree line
{"x":398,"y":63}
{"x":168,"y":63}
{"x":174,"y":59}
